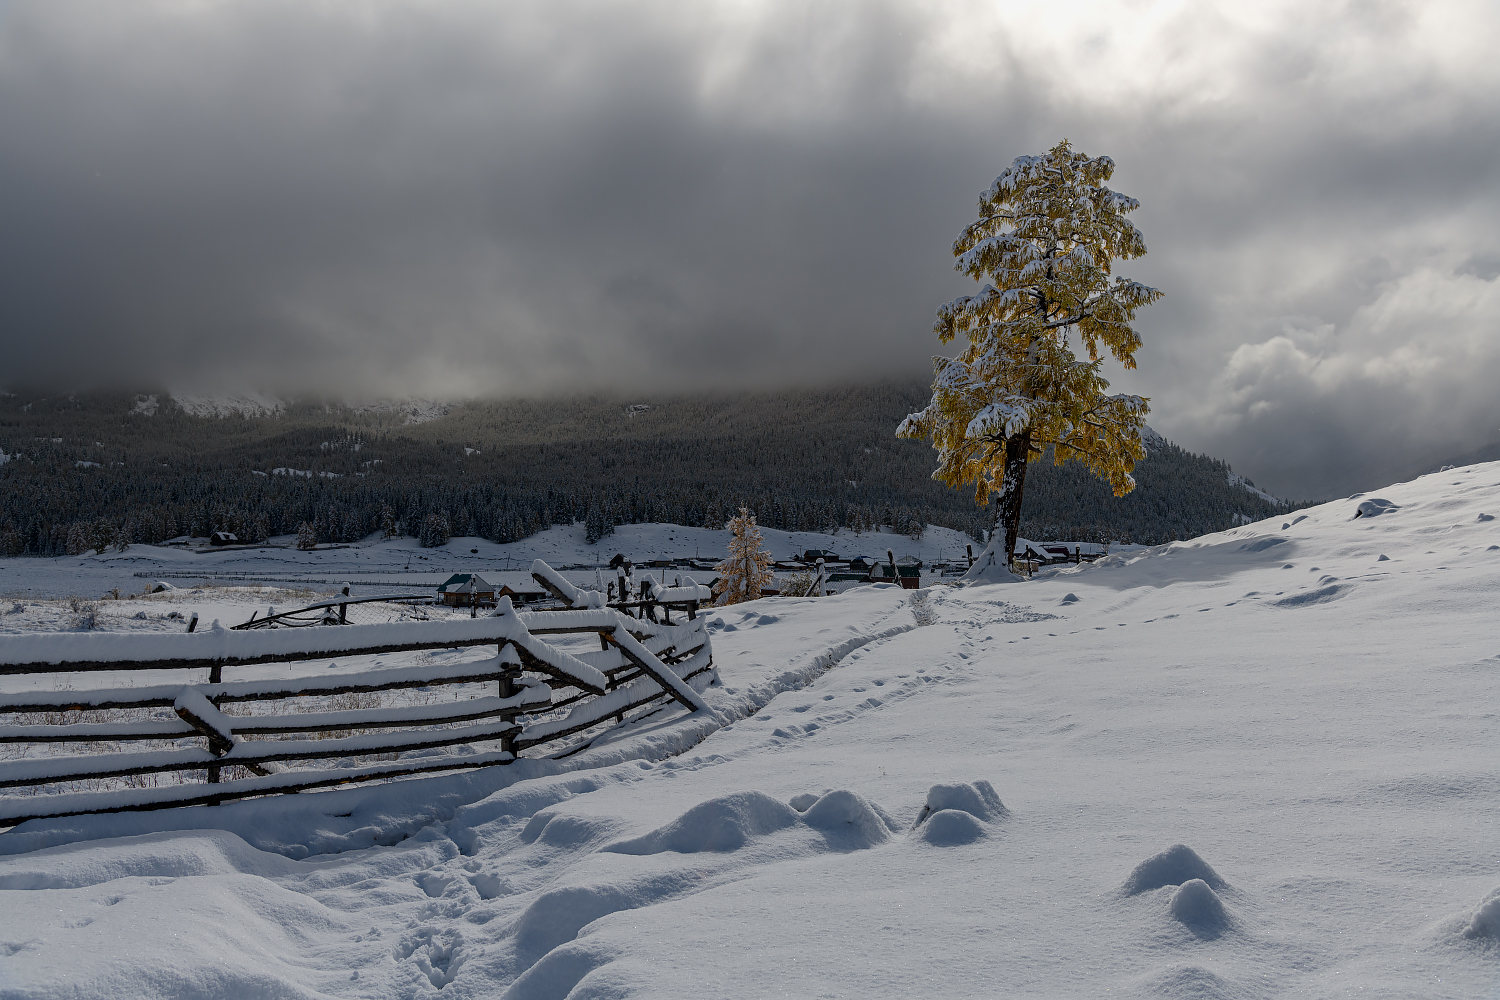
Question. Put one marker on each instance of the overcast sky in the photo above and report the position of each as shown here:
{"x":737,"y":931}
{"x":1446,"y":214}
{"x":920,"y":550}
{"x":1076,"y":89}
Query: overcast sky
{"x":476,"y":198}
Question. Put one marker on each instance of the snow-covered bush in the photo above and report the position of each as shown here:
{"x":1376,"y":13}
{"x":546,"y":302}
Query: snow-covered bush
{"x":799,"y":584}
{"x":85,"y":613}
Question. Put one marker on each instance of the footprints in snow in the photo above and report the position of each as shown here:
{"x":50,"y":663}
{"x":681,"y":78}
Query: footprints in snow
{"x":439,"y":954}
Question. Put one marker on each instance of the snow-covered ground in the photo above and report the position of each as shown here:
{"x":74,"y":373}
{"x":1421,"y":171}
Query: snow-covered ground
{"x":1308,"y":704}
{"x":378,"y":566}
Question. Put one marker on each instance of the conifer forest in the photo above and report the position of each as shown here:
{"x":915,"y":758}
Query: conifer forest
{"x":85,"y":471}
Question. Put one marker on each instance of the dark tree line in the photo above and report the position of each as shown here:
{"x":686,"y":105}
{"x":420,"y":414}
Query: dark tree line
{"x":84,"y":471}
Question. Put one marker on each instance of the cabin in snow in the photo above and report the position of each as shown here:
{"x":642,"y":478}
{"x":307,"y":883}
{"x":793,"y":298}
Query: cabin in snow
{"x":462,"y":590}
{"x":522,"y":593}
{"x":223,"y":538}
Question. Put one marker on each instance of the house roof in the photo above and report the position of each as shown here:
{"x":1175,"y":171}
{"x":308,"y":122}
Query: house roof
{"x":462,"y":580}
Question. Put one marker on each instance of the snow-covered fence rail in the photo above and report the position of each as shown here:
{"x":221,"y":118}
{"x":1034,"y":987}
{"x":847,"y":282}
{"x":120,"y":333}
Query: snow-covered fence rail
{"x":542,"y":693}
{"x":685,"y":597}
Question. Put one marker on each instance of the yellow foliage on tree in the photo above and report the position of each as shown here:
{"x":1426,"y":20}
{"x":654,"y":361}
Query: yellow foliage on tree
{"x":747,"y":570}
{"x":1048,"y":232}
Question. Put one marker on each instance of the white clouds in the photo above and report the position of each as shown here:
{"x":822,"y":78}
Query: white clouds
{"x":1408,"y":378}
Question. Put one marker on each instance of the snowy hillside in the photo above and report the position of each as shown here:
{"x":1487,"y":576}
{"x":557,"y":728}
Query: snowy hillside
{"x":943,"y":793}
{"x":412,"y":411}
{"x":197,"y":404}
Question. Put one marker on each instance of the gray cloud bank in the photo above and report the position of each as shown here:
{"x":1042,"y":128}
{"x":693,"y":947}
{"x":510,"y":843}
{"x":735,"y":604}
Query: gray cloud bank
{"x":455,"y":198}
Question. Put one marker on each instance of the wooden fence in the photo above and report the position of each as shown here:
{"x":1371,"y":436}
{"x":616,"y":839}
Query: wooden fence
{"x":542,"y":693}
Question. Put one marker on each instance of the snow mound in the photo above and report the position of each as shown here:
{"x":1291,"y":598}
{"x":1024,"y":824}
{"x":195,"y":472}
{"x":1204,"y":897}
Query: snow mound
{"x":991,"y":566}
{"x":803,"y":802}
{"x":951,"y":828}
{"x":1261,"y":544}
{"x":1193,"y":982}
{"x":1174,"y":866}
{"x":722,"y":824}
{"x":1069,"y":599}
{"x":556,"y":916}
{"x":956,"y":814}
{"x":1320,"y":596}
{"x":848,"y":821}
{"x":979,"y":800}
{"x":160,"y":855}
{"x":561,"y":971}
{"x":565,"y":830}
{"x":1197,"y":906}
{"x":1374,"y":507}
{"x":1485,"y":923}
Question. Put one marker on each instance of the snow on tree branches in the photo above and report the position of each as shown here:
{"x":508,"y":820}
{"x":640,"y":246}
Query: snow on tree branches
{"x":1047,"y":234}
{"x":747,"y":570}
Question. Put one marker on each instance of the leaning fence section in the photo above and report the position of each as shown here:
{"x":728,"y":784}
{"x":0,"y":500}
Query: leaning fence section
{"x":228,"y":714}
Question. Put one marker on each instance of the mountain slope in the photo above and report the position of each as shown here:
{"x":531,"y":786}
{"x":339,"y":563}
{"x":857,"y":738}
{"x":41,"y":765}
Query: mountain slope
{"x":153,"y":467}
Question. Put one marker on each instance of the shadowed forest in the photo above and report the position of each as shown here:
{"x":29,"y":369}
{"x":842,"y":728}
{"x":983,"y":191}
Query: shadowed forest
{"x":81,"y":471}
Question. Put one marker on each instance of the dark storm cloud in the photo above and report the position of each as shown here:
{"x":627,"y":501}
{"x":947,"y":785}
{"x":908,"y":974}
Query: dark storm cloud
{"x":459,"y":198}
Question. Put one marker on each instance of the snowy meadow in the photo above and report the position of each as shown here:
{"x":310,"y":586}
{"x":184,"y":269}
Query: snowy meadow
{"x":1257,"y":763}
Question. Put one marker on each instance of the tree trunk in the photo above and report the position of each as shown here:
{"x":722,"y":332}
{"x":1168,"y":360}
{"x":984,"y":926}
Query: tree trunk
{"x":1008,"y":504}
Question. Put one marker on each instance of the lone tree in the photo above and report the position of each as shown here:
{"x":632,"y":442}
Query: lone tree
{"x":747,"y":570}
{"x":1048,"y":232}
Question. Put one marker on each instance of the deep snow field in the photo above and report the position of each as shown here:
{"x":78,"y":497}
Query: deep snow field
{"x":949,"y":793}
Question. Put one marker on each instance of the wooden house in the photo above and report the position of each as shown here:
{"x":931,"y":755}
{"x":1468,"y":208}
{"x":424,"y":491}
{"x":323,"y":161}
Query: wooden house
{"x":462,"y":590}
{"x":522,"y":593}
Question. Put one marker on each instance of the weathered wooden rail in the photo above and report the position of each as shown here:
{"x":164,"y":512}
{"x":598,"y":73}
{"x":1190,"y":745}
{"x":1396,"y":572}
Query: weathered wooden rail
{"x":542,"y":693}
{"x":330,"y":612}
{"x":654,"y":596}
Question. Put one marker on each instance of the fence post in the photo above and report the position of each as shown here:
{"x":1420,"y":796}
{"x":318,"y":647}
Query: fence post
{"x":507,"y":690}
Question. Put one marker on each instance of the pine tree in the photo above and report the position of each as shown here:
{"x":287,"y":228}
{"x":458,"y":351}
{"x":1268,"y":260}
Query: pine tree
{"x":101,"y":536}
{"x":387,"y":521}
{"x":307,"y":535}
{"x":596,"y":525}
{"x":436,"y":530}
{"x":1046,"y":237}
{"x":747,"y":570}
